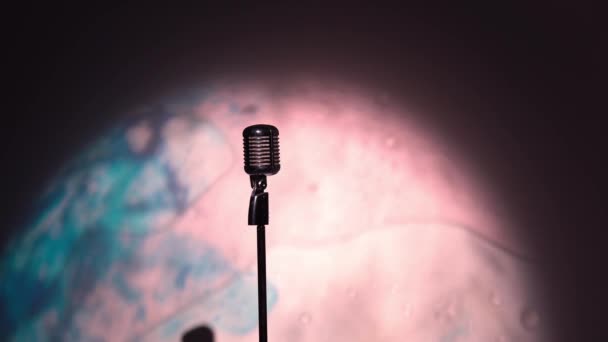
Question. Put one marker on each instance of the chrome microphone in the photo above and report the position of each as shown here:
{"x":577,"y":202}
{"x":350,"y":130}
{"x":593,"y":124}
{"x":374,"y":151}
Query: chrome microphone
{"x":261,"y":147}
{"x":261,"y":150}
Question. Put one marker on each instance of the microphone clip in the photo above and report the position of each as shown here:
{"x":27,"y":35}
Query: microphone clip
{"x":258,"y":202}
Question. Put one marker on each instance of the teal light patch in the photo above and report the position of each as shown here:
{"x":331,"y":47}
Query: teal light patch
{"x":172,"y":328}
{"x":76,"y":243}
{"x":140,"y":314}
{"x":127,"y":293}
{"x":188,"y":262}
{"x":236,"y":306}
{"x":182,"y":276}
{"x":232,"y":309}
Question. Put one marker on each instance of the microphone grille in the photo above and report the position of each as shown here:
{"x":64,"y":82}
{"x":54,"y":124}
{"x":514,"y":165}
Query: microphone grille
{"x":261,"y":149}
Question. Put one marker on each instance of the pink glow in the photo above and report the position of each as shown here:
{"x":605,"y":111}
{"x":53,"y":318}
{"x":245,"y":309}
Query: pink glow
{"x":371,"y":223}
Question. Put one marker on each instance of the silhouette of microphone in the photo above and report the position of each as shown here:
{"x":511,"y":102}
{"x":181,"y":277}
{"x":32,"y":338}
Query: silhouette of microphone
{"x":261,"y":149}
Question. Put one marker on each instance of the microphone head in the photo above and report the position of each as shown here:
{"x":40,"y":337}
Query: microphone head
{"x":261,"y":147}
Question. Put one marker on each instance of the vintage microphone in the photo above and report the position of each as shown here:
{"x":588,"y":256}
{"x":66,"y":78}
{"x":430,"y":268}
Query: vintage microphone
{"x":261,"y":147}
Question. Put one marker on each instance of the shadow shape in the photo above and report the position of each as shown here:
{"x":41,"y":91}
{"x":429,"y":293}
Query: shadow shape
{"x":198,"y":334}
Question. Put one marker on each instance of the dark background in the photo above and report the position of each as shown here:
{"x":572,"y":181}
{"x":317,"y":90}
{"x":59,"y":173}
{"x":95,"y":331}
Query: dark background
{"x":516,"y":87}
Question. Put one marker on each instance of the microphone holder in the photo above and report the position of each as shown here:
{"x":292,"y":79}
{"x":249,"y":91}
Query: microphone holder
{"x":258,"y":216}
{"x":258,"y":203}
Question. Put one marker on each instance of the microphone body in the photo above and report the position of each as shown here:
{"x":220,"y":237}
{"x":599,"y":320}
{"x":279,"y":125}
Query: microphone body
{"x":261,"y":147}
{"x":261,"y":151}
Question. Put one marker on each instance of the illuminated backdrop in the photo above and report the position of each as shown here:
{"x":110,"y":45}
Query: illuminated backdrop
{"x":378,"y":231}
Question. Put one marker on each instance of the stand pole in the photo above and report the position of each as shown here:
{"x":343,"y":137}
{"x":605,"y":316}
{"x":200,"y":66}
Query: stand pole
{"x":262,"y":284}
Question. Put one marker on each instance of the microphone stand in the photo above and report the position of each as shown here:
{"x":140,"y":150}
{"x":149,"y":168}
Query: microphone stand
{"x":258,"y":216}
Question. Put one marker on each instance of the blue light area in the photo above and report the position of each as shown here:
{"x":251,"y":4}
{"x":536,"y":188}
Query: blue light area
{"x":140,"y":314}
{"x":232,"y":308}
{"x":75,"y":244}
{"x":173,"y":328}
{"x":237,"y":306}
{"x":182,"y":276}
{"x":126,"y":291}
{"x":185,"y":262}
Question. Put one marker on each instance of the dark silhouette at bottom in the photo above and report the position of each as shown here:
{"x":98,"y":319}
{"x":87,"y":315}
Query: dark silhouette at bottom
{"x":198,"y":334}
